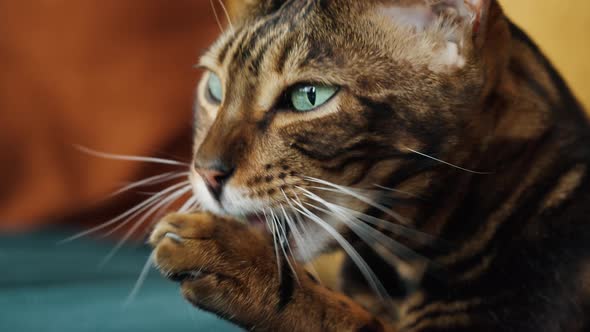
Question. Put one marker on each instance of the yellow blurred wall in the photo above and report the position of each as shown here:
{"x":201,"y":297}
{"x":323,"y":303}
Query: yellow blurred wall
{"x":562,"y":29}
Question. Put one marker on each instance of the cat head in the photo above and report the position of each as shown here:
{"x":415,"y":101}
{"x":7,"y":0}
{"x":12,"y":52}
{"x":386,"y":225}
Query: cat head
{"x":308,"y":109}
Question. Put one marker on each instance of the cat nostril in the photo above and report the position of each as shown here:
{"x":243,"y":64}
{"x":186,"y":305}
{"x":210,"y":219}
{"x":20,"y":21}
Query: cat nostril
{"x":214,"y":179}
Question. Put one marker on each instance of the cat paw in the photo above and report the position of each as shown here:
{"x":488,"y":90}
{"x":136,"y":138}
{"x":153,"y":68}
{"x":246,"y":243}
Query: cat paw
{"x":223,"y":266}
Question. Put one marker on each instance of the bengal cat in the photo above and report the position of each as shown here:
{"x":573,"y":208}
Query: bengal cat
{"x":431,"y":141}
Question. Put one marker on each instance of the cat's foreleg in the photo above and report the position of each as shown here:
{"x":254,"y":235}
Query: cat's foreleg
{"x":231,"y":270}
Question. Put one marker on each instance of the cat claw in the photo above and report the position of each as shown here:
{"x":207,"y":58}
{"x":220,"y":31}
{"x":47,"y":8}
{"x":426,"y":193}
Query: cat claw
{"x":174,"y":237}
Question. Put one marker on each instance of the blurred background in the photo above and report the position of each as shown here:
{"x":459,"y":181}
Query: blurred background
{"x":117,"y":76}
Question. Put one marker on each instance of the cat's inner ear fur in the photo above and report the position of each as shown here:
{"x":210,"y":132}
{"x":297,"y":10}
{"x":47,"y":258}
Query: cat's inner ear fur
{"x":460,"y":23}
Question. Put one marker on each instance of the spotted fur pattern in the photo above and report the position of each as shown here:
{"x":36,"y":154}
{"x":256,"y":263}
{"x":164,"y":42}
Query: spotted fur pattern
{"x":449,"y":121}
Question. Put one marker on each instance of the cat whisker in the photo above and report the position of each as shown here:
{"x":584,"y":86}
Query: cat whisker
{"x":296,"y":213}
{"x":130,"y":218}
{"x":408,"y":232}
{"x":140,"y":280}
{"x":156,"y":179}
{"x":389,"y":249}
{"x":284,"y":242}
{"x":113,"y":156}
{"x":173,"y":196}
{"x":217,"y":19}
{"x":188,"y":205}
{"x":231,"y":26}
{"x":407,"y":193}
{"x":371,"y":236}
{"x":161,"y":210}
{"x":363,"y":267}
{"x":379,"y":191}
{"x":216,"y":16}
{"x":156,"y":198}
{"x":447,"y":163}
{"x":143,"y":205}
{"x":377,"y":196}
{"x":286,"y":225}
{"x":366,"y":232}
{"x":297,"y":236}
{"x":271,"y":227}
{"x":360,"y":197}
{"x":395,"y":228}
{"x":293,"y":225}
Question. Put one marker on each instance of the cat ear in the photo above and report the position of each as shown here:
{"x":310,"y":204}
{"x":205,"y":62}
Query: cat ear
{"x":421,"y":14}
{"x":454,"y":19}
{"x":479,"y":22}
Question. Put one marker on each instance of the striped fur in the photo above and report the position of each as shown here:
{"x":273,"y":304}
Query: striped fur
{"x":465,"y":115}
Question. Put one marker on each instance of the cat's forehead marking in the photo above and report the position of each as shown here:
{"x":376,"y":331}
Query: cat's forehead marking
{"x":242,"y":46}
{"x":250,"y":55}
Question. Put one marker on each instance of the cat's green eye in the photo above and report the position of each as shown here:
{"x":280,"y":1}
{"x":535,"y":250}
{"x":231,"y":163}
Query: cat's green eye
{"x":308,"y":97}
{"x":215,"y":88}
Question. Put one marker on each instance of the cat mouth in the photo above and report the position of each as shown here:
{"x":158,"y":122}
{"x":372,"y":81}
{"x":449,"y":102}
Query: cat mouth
{"x":267,"y":224}
{"x":275,"y":227}
{"x":256,"y":221}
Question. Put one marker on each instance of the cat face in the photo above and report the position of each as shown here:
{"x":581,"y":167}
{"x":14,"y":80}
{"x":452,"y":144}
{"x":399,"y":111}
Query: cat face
{"x":308,"y":109}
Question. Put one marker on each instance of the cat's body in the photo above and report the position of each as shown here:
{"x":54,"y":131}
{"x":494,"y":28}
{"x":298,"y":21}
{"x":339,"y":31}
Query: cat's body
{"x":524,"y":226}
{"x":468,"y":131}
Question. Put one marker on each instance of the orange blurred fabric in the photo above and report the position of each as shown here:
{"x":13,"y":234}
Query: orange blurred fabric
{"x":111,"y":75}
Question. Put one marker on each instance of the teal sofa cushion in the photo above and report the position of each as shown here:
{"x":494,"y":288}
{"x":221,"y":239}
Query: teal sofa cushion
{"x":49,"y":287}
